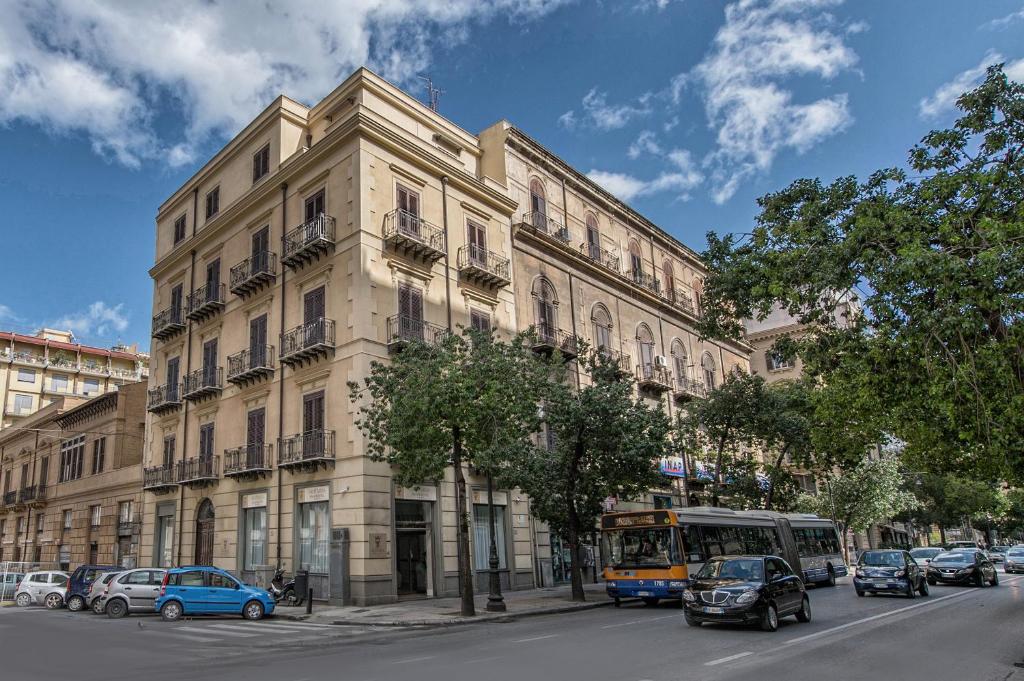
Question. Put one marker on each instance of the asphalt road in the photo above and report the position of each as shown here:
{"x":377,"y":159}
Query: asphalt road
{"x":958,"y":633}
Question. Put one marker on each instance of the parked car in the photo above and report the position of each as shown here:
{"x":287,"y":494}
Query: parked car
{"x":889,"y":571}
{"x":997,"y":554}
{"x":953,"y":545}
{"x":204,"y":590}
{"x":746,"y":590}
{"x":81,"y":579}
{"x":1014,"y":561}
{"x":45,"y":586}
{"x":923,"y":555}
{"x":94,"y":599}
{"x":962,"y":567}
{"x":9,"y":583}
{"x":132,"y":591}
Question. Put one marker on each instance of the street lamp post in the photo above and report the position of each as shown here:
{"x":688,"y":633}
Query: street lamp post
{"x":495,"y":601}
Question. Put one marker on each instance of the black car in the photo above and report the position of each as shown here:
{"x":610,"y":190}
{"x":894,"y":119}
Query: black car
{"x":889,"y":571}
{"x":746,"y":590}
{"x":962,"y":567}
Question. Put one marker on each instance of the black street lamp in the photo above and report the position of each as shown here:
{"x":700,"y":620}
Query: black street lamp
{"x":495,"y":601}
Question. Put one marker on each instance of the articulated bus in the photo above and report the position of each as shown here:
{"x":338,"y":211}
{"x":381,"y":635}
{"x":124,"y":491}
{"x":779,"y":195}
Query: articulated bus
{"x":651,"y":554}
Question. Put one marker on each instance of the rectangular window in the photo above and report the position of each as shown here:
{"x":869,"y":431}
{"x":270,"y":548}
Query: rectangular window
{"x":22,"y":404}
{"x":168,"y":451}
{"x":64,"y":557}
{"x":206,"y":441}
{"x":313,"y":537}
{"x":476,"y":238}
{"x":124,"y":512}
{"x":59,"y":382}
{"x":67,"y":519}
{"x":40,"y":523}
{"x":165,"y":540}
{"x":777,"y":362}
{"x":72,"y":456}
{"x":95,"y":513}
{"x":479,"y":321}
{"x":254,"y":536}
{"x":91,"y":386}
{"x":260,"y":163}
{"x":408,"y":210}
{"x":212,"y":202}
{"x":179,"y":230}
{"x":99,"y":455}
{"x":26,"y":375}
{"x":315,"y":206}
{"x":410,"y":312}
{"x":482,"y":536}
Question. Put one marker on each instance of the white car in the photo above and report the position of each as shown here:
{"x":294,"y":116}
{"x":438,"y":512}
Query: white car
{"x":47,"y":587}
{"x":923,"y":555}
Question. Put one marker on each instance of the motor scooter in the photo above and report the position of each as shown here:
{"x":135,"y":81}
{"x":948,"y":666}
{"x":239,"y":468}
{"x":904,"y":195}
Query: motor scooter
{"x":284,"y":591}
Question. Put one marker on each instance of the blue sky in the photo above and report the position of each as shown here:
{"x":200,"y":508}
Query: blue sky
{"x":688,"y":109}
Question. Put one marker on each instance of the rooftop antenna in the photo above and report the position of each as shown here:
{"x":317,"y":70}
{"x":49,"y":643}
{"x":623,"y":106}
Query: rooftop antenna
{"x":434,"y":92}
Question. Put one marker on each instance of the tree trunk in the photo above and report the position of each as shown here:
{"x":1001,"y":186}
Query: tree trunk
{"x":846,"y":549}
{"x":718,"y":471}
{"x":575,"y":568}
{"x":942,"y":534}
{"x":771,"y":478}
{"x":465,"y":568}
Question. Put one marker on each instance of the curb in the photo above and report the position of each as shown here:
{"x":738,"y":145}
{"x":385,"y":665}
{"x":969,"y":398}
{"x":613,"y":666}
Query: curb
{"x":460,"y":621}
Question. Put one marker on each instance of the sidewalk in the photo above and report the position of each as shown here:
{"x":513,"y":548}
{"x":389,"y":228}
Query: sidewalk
{"x":439,"y":612}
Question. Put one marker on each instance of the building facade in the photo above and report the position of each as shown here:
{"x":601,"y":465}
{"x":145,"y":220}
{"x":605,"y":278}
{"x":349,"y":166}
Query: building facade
{"x":37,"y":370}
{"x":72,"y":481}
{"x":320,"y":240}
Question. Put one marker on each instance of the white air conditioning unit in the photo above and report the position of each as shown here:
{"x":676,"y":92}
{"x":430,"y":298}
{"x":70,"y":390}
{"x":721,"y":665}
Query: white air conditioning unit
{"x":660,"y":361}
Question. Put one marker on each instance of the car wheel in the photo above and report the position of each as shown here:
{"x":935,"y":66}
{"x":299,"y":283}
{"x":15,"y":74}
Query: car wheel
{"x":97,"y":606}
{"x":649,"y":600}
{"x":860,"y":593}
{"x":290,"y":598}
{"x":979,"y":580}
{"x":53,"y":601}
{"x":995,"y":579}
{"x":804,"y":613}
{"x":910,"y":593}
{"x":770,"y":618}
{"x":171,"y":611}
{"x":692,"y":621}
{"x":76,"y":603}
{"x":116,"y":608}
{"x":23,"y":600}
{"x":253,"y":610}
{"x":831,"y":581}
{"x":923,"y":590}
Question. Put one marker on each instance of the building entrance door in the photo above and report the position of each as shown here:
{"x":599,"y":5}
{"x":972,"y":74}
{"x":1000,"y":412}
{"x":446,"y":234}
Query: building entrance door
{"x":412,"y":548}
{"x":204,"y":533}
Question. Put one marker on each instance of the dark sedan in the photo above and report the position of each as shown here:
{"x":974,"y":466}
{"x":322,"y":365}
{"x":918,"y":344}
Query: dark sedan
{"x":962,"y":567}
{"x":1014,"y":561}
{"x":891,"y":571}
{"x":746,"y":590}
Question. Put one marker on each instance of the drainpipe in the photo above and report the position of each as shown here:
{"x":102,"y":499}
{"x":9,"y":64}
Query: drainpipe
{"x":28,"y":518}
{"x":188,"y":370}
{"x":572,"y":317}
{"x":280,"y":378}
{"x":447,"y":263}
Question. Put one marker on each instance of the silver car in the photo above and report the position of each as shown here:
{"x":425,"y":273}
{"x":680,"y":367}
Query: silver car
{"x":132,"y":591}
{"x":47,"y":587}
{"x":94,"y":598}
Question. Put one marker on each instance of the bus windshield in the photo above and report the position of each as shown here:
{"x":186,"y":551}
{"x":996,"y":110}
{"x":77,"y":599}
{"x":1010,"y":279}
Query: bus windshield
{"x":641,"y":547}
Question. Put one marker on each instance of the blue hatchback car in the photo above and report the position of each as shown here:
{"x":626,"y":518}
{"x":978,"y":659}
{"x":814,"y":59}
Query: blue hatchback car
{"x":204,"y":590}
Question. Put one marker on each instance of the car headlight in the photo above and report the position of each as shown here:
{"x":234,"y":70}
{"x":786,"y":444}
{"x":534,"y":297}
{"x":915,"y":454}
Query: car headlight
{"x":964,"y":571}
{"x":860,"y":573}
{"x":611,"y":584}
{"x":689,"y":597}
{"x":746,"y":597}
{"x":900,"y":573}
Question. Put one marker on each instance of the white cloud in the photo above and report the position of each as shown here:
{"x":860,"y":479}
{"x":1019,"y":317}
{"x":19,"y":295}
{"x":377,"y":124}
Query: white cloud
{"x":1001,"y":23}
{"x":754,"y":116}
{"x":7,"y":314}
{"x":945,"y":96}
{"x":646,"y":143}
{"x":106,"y":68}
{"x":99,"y":320}
{"x":627,"y":187}
{"x":598,"y":113}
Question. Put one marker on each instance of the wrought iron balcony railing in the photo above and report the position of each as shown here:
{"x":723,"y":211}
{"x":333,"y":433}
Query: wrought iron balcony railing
{"x":156,"y":478}
{"x":308,"y":241}
{"x":411,"y":235}
{"x":33,"y":494}
{"x":653,"y":377}
{"x":251,"y":460}
{"x":604,"y":258}
{"x":168,"y":322}
{"x":164,"y":398}
{"x":621,"y":359}
{"x":681,"y":300}
{"x":687,"y":388}
{"x":11,"y":498}
{"x":484,"y":267}
{"x":550,"y":338}
{"x":403,"y":330}
{"x":206,"y":301}
{"x":307,"y":341}
{"x":309,"y":449}
{"x":541,"y":223}
{"x":251,"y":364}
{"x":199,"y":470}
{"x":253,"y":273}
{"x":647,"y":281}
{"x":203,"y":382}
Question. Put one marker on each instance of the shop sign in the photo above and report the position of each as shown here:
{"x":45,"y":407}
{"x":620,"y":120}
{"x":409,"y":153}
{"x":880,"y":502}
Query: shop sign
{"x":308,"y":495}
{"x":480,"y":497}
{"x":254,"y":500}
{"x":673,"y":466}
{"x":416,"y":493}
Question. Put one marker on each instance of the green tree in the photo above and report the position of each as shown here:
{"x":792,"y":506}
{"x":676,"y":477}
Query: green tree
{"x":466,"y":401}
{"x":749,"y":485}
{"x":601,"y":441}
{"x":871,"y":492}
{"x":946,"y":500}
{"x":937,"y":254}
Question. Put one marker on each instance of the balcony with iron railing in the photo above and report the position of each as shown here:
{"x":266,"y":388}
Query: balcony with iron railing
{"x":27,"y":358}
{"x":483,"y":267}
{"x":412,"y":236}
{"x":32,"y":495}
{"x":202,"y":383}
{"x":549,"y":338}
{"x":206,"y":301}
{"x":64,"y":364}
{"x":250,"y":461}
{"x":600,"y":256}
{"x":308,"y":341}
{"x":645,"y":280}
{"x":622,"y":360}
{"x":198,"y":471}
{"x":403,"y":330}
{"x":680,"y":300}
{"x":653,"y":377}
{"x":169,"y":322}
{"x":543,"y":224}
{"x":164,"y":398}
{"x":253,"y":273}
{"x":129,"y":374}
{"x":251,"y":364}
{"x":94,"y":368}
{"x":685,"y":389}
{"x":11,"y":498}
{"x":307,"y":451}
{"x":308,"y":241}
{"x":159,"y":478}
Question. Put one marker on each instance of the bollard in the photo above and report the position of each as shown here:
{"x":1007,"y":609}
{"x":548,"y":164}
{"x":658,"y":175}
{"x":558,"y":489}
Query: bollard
{"x":309,"y":602}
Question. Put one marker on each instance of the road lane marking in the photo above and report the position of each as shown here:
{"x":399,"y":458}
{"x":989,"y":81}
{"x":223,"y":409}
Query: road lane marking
{"x":291,"y":629}
{"x":414,"y":659}
{"x":723,"y":660}
{"x":482,"y":659}
{"x":535,"y":638}
{"x":230,"y":630}
{"x":188,"y":637}
{"x":649,"y":619}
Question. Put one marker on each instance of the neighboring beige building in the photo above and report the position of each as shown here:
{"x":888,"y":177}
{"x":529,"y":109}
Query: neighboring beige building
{"x":37,"y":370}
{"x":72,"y":481}
{"x":318,"y":241}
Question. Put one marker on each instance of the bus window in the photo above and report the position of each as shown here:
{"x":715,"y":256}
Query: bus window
{"x":641,"y":547}
{"x":732,"y":541}
{"x":695,"y":551}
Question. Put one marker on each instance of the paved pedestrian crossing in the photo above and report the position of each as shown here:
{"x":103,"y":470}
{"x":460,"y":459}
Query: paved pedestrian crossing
{"x":218,"y":632}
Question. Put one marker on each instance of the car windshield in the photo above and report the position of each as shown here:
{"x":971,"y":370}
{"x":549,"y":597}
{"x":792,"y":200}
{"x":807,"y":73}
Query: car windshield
{"x":741,"y":569}
{"x":882,"y":559}
{"x":954,"y":558}
{"x":1015,"y":553}
{"x":925,"y":552}
{"x":640,"y":547}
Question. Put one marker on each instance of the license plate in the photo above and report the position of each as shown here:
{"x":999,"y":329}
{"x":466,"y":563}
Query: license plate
{"x":643,"y":593}
{"x":712,"y":611}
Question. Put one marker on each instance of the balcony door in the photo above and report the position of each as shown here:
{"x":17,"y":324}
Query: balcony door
{"x":205,"y":520}
{"x":410,"y":312}
{"x":258,"y":341}
{"x":408,"y":203}
{"x":538,"y":205}
{"x":313,"y":425}
{"x":313,"y":311}
{"x":260,"y":248}
{"x":176,"y":298}
{"x":314,"y":207}
{"x":172,"y":378}
{"x":210,"y":362}
{"x":477,"y":240}
{"x":255,"y":437}
{"x":593,"y":238}
{"x":212,"y":279}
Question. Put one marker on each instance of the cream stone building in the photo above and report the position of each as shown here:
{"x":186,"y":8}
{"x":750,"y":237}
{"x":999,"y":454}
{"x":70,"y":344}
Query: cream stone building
{"x":37,"y":370}
{"x":320,"y":240}
{"x":72,"y":481}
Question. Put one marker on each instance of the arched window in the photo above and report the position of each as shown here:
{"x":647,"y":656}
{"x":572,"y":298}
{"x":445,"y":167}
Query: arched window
{"x":680,"y":362}
{"x":670,"y":280}
{"x":707,"y":365}
{"x":602,"y":327}
{"x":645,"y":346}
{"x":546,"y":304}
{"x":538,"y":205}
{"x":636,"y":262}
{"x":593,"y":238}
